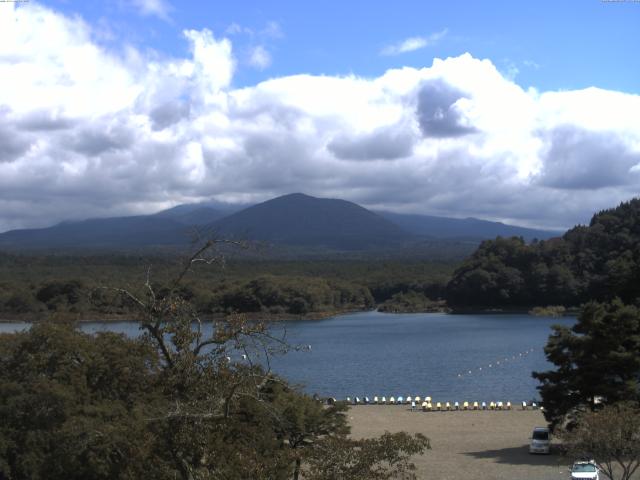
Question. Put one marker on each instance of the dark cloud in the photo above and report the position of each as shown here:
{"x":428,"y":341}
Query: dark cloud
{"x":273,"y":162}
{"x":45,"y":121}
{"x":437,"y":113}
{"x":12,"y":144}
{"x":169,"y":113}
{"x":101,"y":138}
{"x":384,"y":144}
{"x":581,"y":159}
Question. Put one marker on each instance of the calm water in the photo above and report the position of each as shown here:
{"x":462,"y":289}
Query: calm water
{"x":371,"y":353}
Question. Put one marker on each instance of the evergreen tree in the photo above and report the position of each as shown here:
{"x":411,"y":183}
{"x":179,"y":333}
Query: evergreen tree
{"x":598,"y":359}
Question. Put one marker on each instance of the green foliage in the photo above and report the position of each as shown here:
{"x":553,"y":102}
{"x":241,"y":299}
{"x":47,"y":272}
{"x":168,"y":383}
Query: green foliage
{"x":598,"y":262}
{"x":170,"y":404}
{"x":548,"y":311}
{"x":72,"y":405}
{"x":37,"y":287}
{"x":294,"y":295}
{"x":411,"y":302}
{"x":597,"y":358}
{"x":302,"y":422}
{"x":383,"y":458}
{"x":611,"y":436}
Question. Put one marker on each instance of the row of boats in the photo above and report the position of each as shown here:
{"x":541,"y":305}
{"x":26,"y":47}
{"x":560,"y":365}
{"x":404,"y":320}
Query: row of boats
{"x":428,"y":405}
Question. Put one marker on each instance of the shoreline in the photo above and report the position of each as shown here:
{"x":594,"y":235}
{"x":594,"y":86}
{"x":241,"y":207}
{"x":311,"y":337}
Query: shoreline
{"x":280,"y":317}
{"x":251,"y":316}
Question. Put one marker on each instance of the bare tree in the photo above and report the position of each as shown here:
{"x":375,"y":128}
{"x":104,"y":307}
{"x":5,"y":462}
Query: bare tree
{"x":200,"y":376}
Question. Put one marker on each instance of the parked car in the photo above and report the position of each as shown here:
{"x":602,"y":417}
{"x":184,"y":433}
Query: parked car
{"x":585,"y":470}
{"x":540,"y":440}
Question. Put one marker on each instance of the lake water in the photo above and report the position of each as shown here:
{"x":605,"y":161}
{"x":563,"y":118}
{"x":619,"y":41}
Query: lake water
{"x":448,"y":357}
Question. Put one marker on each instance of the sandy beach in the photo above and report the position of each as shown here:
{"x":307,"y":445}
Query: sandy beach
{"x":484,"y":445}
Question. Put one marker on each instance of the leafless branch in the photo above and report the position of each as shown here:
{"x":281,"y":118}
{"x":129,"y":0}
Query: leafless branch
{"x":149,"y":287}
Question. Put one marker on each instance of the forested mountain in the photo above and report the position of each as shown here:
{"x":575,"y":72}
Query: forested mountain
{"x":137,"y":231}
{"x":297,"y":223}
{"x":595,"y":262}
{"x":299,"y":219}
{"x":192,"y":214}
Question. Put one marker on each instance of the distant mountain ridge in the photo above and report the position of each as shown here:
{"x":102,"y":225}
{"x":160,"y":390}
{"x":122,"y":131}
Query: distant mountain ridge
{"x":296,"y":220}
{"x":463,"y":228}
{"x":114,"y":232}
{"x":192,"y":214}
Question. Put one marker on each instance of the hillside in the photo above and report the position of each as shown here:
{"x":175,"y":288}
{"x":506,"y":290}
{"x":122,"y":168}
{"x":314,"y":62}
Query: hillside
{"x":299,"y":219}
{"x":463,"y":228}
{"x":115,"y":232}
{"x":293,"y":225}
{"x":192,"y":214}
{"x":595,"y":262}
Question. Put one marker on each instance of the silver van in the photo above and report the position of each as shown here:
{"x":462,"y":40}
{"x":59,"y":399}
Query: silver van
{"x":540,"y":440}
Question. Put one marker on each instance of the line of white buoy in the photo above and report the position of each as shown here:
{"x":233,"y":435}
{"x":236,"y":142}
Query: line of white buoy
{"x":495,"y":364}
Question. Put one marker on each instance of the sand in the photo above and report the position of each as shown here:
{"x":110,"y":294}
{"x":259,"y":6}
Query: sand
{"x":483,"y":445}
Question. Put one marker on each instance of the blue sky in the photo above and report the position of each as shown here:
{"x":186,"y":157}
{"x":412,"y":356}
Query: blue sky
{"x":553,"y":45}
{"x":521,"y":112}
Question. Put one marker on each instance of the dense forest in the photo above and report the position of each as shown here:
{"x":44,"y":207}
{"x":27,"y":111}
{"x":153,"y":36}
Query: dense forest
{"x":600,"y":261}
{"x":172,"y":404}
{"x":82,"y":287}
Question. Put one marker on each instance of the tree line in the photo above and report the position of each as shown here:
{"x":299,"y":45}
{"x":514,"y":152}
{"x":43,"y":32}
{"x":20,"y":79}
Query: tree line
{"x":600,"y":262}
{"x":40,"y":287}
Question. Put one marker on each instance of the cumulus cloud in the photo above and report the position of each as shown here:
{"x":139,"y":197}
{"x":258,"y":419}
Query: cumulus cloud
{"x":259,"y":57}
{"x":384,"y":144}
{"x":88,"y":132}
{"x":158,"y":8}
{"x":271,"y":30}
{"x":168,"y":113}
{"x":44,"y":120}
{"x":12,"y":145}
{"x":577,"y":158}
{"x":438,"y":113}
{"x":413,"y":43}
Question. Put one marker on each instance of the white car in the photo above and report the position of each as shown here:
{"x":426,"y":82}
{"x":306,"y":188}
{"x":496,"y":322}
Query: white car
{"x":585,"y":470}
{"x":540,"y":440}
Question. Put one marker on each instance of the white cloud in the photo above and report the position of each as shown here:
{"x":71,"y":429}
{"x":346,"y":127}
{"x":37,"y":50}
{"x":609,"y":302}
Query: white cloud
{"x":259,"y":57}
{"x":237,"y":29}
{"x":84,"y":132}
{"x":213,"y":63}
{"x":413,"y":43}
{"x":273,"y":30}
{"x":531,"y":64}
{"x":48,"y":62}
{"x":158,"y":8}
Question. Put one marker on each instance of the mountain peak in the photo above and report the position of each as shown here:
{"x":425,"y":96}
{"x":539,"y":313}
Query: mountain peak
{"x":299,"y":219}
{"x":294,"y":196}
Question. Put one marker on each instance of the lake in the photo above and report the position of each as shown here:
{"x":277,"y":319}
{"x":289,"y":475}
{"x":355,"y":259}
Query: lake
{"x":448,"y":357}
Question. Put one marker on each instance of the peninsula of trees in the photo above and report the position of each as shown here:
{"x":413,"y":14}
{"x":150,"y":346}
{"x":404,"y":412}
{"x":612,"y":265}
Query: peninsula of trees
{"x":600,"y":262}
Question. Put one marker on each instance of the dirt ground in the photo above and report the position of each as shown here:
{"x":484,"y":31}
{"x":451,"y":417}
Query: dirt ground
{"x":483,"y":445}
